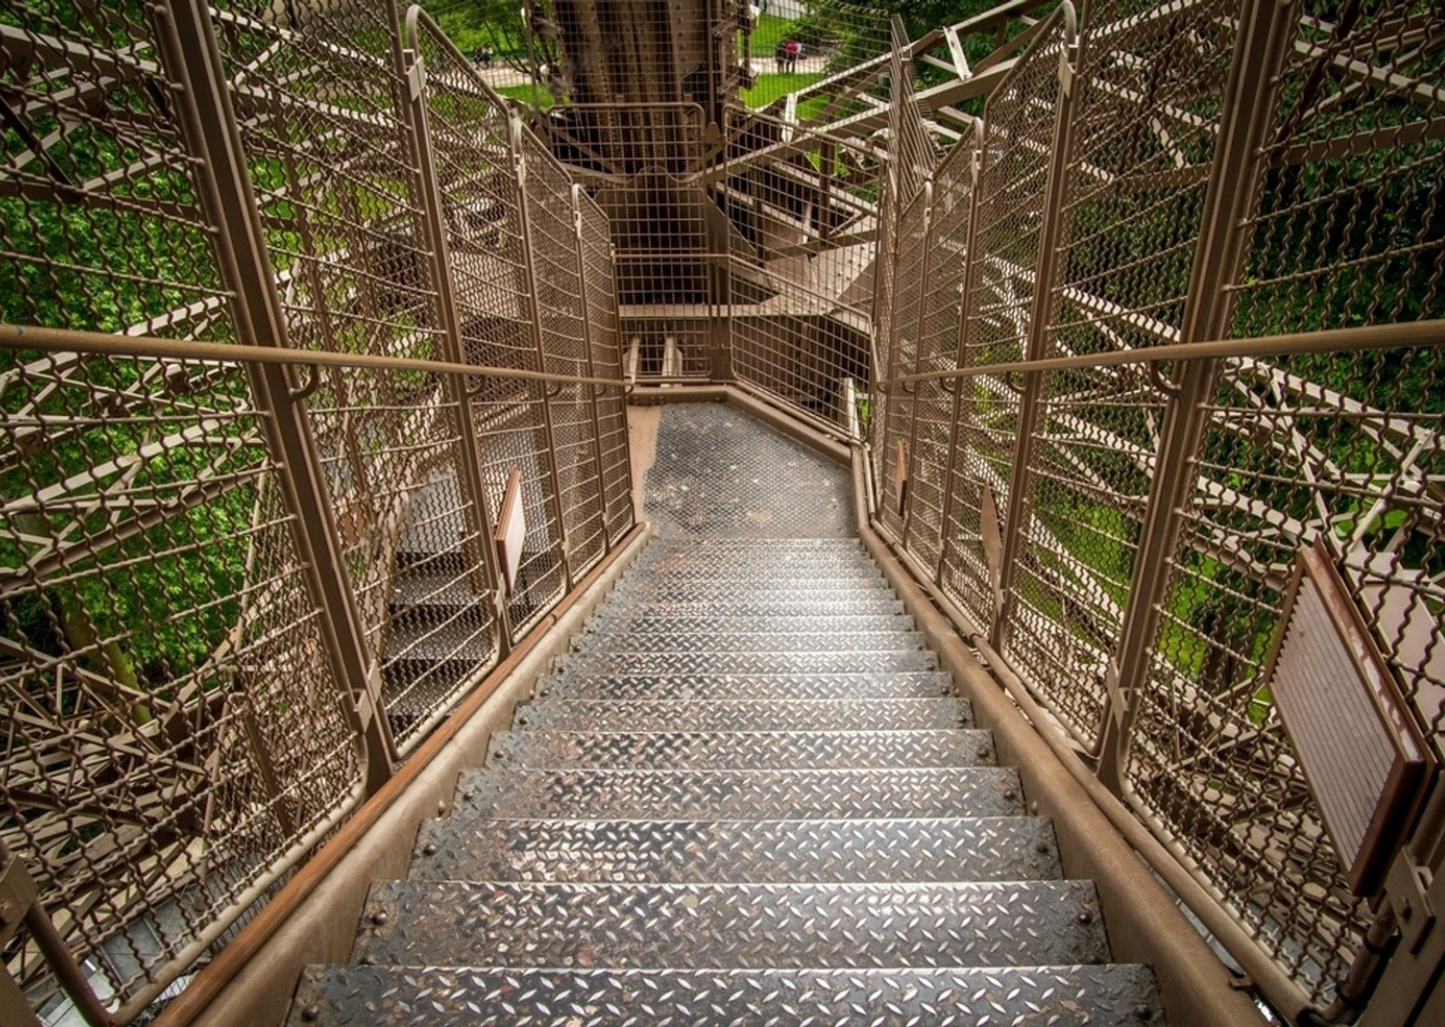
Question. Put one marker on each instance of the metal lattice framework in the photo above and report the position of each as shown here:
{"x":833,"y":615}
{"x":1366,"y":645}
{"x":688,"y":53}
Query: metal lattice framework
{"x":233,"y":594}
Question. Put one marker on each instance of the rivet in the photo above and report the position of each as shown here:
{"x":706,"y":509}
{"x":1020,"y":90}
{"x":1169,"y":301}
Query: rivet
{"x":1041,"y":847}
{"x":365,"y":961}
{"x":1009,"y":794}
{"x":310,"y":1013}
{"x":441,"y":809}
{"x":429,"y":849}
{"x":1143,"y":1012}
{"x":379,"y":917}
{"x":1086,"y":917}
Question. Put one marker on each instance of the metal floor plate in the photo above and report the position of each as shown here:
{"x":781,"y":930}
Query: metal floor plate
{"x":705,"y":642}
{"x":756,"y":750}
{"x":721,"y":687}
{"x":740,"y":794}
{"x":1046,"y":996}
{"x":459,"y":848}
{"x":702,"y":926}
{"x":742,"y":715}
{"x":719,"y":473}
{"x":716,"y":662}
{"x":760,"y":604}
{"x":655,"y":622}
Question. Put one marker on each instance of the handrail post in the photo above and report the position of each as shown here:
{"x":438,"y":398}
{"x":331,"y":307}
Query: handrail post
{"x":1045,"y":305}
{"x":192,"y":55}
{"x":591,"y":370}
{"x":1233,"y":192}
{"x":481,"y":555}
{"x":534,"y":314}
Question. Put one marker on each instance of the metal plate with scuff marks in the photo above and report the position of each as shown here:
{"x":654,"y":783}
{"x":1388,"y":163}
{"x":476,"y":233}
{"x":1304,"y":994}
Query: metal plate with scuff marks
{"x":903,"y":685}
{"x":742,"y":715}
{"x":656,"y":622}
{"x":461,"y":848}
{"x":740,"y":794}
{"x":717,"y":662}
{"x":756,"y":750}
{"x":719,"y":473}
{"x":1052,"y":996}
{"x":702,"y":926}
{"x":758,"y":642}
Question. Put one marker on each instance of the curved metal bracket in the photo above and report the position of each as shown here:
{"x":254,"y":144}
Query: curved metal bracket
{"x":949,"y":385}
{"x":474,"y":392}
{"x":1161,"y":382}
{"x":1014,"y":382}
{"x":307,"y":388}
{"x":554,"y":390}
{"x":905,"y":386}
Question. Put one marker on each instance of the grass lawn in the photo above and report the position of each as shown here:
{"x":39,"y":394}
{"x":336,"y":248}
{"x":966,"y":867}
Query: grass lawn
{"x":769,"y":87}
{"x":524,"y":93}
{"x":767,"y":34}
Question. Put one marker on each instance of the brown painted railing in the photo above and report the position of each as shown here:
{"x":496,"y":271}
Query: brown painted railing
{"x":301,"y":297}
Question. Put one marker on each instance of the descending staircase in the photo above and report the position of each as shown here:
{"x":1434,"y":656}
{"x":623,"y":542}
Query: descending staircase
{"x":747,"y":795}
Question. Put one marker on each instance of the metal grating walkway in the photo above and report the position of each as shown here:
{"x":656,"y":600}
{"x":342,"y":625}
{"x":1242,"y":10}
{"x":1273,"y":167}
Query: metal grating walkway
{"x":746,"y":796}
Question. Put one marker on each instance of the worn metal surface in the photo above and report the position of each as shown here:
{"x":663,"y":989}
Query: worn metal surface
{"x":872,"y":714}
{"x":697,"y":926}
{"x":721,"y":474}
{"x":783,"y":662}
{"x":595,"y":793}
{"x":735,"y":642}
{"x":1055,"y":996}
{"x":760,"y":750}
{"x":657,"y":621}
{"x":732,"y":687}
{"x":458,"y":848}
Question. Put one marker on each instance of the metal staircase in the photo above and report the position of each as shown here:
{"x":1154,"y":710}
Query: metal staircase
{"x":747,"y":795}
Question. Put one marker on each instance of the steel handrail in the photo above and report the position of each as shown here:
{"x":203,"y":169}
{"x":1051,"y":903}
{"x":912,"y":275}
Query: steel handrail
{"x":1404,"y":335}
{"x":65,"y":340}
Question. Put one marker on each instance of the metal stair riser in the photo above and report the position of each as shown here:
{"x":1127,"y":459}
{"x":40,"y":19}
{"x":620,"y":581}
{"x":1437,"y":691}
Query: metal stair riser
{"x":1062,"y":996}
{"x":749,"y":662}
{"x":739,"y":750}
{"x":625,"y":623}
{"x":724,"y":687}
{"x":702,"y":926}
{"x":760,"y":642}
{"x":740,"y":794}
{"x":745,"y":715}
{"x":743,"y":852}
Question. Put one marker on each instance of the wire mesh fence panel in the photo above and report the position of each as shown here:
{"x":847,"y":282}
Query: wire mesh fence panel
{"x":562,"y":314}
{"x":601,"y":300}
{"x":895,"y":435}
{"x":1332,"y":446}
{"x":174,"y":736}
{"x":940,"y":319}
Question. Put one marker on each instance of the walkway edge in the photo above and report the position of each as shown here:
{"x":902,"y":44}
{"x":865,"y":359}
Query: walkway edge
{"x":1143,"y":923}
{"x":251,"y":981}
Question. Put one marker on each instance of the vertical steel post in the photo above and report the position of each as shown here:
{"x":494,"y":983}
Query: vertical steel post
{"x":192,"y":56}
{"x":591,"y":367}
{"x":480,"y":553}
{"x":1045,"y":306}
{"x":918,"y":322}
{"x":534,"y":305}
{"x":1251,"y":93}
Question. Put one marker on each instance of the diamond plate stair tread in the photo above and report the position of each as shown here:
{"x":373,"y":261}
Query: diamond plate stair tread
{"x":838,"y":575}
{"x":1121,"y":995}
{"x":435,"y":588}
{"x":717,"y":662}
{"x":463,"y":639}
{"x":825,"y":592}
{"x":742,"y":715}
{"x":759,"y":605}
{"x":702,"y":926}
{"x":723,"y":687}
{"x":627,"y":622}
{"x":602,"y":794}
{"x":760,"y":750}
{"x":840,"y":544}
{"x":718,"y":473}
{"x":740,"y":851}
{"x":760,"y":642}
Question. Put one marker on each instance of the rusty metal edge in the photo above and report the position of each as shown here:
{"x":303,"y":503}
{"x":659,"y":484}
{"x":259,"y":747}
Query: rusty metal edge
{"x":339,"y":866}
{"x":788,"y":422}
{"x":1098,"y":838}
